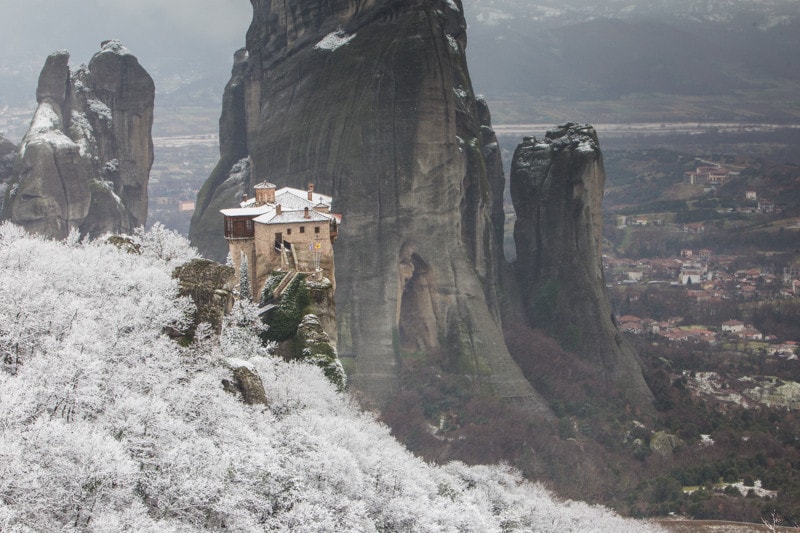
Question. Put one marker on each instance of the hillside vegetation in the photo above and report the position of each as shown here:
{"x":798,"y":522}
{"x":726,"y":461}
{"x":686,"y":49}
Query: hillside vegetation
{"x":109,"y":425}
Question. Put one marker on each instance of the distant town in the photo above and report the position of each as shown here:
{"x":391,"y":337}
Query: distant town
{"x":702,"y":281}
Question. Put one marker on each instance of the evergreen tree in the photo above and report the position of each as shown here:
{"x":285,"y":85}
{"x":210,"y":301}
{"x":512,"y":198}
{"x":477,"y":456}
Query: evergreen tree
{"x":244,"y":279}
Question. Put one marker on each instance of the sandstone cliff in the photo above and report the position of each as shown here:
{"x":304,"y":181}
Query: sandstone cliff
{"x":371,"y":100}
{"x":8,"y":154}
{"x":85,"y":161}
{"x":557,"y":190}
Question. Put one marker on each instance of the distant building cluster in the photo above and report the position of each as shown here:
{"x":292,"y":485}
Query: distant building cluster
{"x":672,"y":331}
{"x":705,"y":279}
{"x":710,"y":175}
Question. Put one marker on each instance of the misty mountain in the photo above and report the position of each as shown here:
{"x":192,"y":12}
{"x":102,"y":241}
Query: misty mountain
{"x":181,"y":43}
{"x":586,"y":51}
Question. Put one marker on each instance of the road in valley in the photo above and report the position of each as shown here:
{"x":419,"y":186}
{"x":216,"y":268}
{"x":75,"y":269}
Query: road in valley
{"x":609,"y":130}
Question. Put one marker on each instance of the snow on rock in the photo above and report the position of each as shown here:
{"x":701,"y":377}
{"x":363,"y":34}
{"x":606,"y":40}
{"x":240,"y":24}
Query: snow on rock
{"x":100,"y":109}
{"x":45,"y":119}
{"x":235,"y":362}
{"x":334,"y":40}
{"x":111,"y":166}
{"x":453,"y":43}
{"x":81,"y":130}
{"x":453,"y":6}
{"x":46,"y":128}
{"x":587,"y":147}
{"x":114,"y":46}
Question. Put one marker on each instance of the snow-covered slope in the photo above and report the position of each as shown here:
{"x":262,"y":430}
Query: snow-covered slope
{"x":108,"y":425}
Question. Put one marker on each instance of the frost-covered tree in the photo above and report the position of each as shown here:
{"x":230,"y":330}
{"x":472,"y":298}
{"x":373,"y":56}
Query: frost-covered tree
{"x":164,"y":244}
{"x":108,"y":425}
{"x":244,"y":278}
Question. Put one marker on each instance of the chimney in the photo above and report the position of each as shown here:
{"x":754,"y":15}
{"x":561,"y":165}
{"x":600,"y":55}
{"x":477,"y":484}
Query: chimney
{"x":306,"y":214}
{"x":310,"y":192}
{"x":244,"y":197}
{"x":278,"y":209}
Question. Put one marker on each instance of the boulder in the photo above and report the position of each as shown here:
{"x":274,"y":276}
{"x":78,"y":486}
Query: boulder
{"x":663,"y":443}
{"x":245,"y":383}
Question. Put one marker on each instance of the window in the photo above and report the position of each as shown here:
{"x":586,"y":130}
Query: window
{"x":302,"y":229}
{"x":288,"y":231}
{"x":316,"y":229}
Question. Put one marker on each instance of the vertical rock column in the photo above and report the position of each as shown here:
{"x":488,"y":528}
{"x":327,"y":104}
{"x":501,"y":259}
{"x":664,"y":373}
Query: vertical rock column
{"x":557,"y":189}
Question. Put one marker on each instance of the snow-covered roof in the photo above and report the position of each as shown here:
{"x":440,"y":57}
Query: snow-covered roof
{"x":293,"y":204}
{"x":247,"y":211}
{"x":291,"y":198}
{"x":292,"y":217}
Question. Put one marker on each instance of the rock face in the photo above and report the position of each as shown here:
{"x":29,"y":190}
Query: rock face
{"x":210,"y":286}
{"x":85,"y":161}
{"x":557,"y":190}
{"x":246,"y":384}
{"x":371,"y":100}
{"x":8,"y":154}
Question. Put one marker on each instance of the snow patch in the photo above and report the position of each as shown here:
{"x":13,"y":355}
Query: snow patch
{"x":44,"y":119}
{"x":114,"y":46}
{"x":461,"y":93}
{"x":111,"y":166}
{"x":334,"y":40}
{"x":453,"y":43}
{"x":100,"y":109}
{"x":46,"y":129}
{"x":81,"y":129}
{"x":757,"y":489}
{"x":108,"y":186}
{"x":452,"y":5}
{"x":235,"y":362}
{"x":586,"y":146}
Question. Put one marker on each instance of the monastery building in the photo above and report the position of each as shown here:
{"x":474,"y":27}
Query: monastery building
{"x":285,"y":229}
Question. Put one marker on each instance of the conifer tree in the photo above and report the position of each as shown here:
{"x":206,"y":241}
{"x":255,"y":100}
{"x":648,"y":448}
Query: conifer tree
{"x":244,"y":279}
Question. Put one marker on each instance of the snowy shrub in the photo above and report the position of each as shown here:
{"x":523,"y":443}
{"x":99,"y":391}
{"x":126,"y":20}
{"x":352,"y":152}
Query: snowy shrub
{"x":108,"y":425}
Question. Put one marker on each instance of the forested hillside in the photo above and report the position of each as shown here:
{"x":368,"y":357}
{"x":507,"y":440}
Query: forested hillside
{"x":107,"y":424}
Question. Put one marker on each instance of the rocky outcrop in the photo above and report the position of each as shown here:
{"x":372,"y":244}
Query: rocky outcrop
{"x":372,"y":102}
{"x":316,"y":347}
{"x":245,"y":383}
{"x":557,"y":190}
{"x":85,"y":161}
{"x":210,"y":286}
{"x":231,"y":176}
{"x":8,"y":154}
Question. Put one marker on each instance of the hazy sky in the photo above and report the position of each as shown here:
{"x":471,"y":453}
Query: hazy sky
{"x":151,"y":29}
